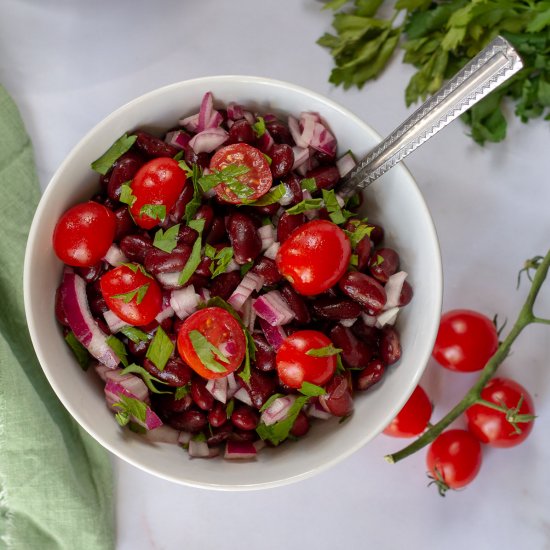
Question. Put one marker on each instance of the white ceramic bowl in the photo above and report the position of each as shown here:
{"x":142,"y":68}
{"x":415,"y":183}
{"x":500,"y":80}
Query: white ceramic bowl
{"x":394,"y":201}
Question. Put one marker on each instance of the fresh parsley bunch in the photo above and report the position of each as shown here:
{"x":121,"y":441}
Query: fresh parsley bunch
{"x":439,"y":38}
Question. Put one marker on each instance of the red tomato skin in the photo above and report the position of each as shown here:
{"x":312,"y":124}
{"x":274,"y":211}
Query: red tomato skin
{"x":84,"y":233}
{"x":121,"y":280}
{"x":466,"y":340}
{"x":490,"y":426}
{"x":295,"y":367}
{"x":218,"y":326}
{"x":314,"y":257}
{"x":258,"y":177}
{"x":413,"y":418}
{"x":455,"y":455}
{"x":160,"y":182}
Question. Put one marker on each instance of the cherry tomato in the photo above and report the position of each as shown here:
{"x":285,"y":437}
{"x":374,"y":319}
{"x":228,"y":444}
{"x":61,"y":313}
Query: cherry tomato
{"x":132,"y":294}
{"x":295,"y":366}
{"x":158,"y":183}
{"x":465,"y":341}
{"x":413,"y":418}
{"x":222,"y":331}
{"x":314,"y":257}
{"x":491,"y":426}
{"x":84,"y":233}
{"x":258,"y":178}
{"x":454,"y":459}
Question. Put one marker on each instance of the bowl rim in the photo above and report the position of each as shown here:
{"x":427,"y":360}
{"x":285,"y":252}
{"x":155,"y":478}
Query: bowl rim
{"x":50,"y":188}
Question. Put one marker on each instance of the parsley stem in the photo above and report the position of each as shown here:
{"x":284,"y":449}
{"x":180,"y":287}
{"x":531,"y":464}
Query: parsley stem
{"x":525,"y":318}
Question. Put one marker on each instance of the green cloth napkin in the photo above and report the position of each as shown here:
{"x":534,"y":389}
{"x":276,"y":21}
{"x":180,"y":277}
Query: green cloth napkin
{"x":55,"y":481}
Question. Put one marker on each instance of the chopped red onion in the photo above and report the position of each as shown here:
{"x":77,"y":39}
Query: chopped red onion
{"x":308,"y":124}
{"x":369,"y":320}
{"x":198,"y":449}
{"x":288,"y":197}
{"x":232,"y":385}
{"x":75,"y":304}
{"x":393,"y":289}
{"x":239,"y":450}
{"x":166,"y":310}
{"x":277,"y":410}
{"x":387,"y":317}
{"x":315,"y":410}
{"x":296,"y":133}
{"x":131,"y":383}
{"x":275,"y":336}
{"x":218,"y":388}
{"x":348,"y":322}
{"x":345,"y":164}
{"x":322,"y":140}
{"x":251,"y":281}
{"x":184,"y":301}
{"x":204,"y":293}
{"x":242,"y":395}
{"x":190,"y":123}
{"x":301,"y":154}
{"x":114,"y":322}
{"x":310,"y":163}
{"x":271,"y":252}
{"x":232,"y":266}
{"x":234,"y":111}
{"x":101,"y":371}
{"x":265,"y":142}
{"x":249,"y":117}
{"x":340,"y":200}
{"x":163,"y":434}
{"x":309,"y":214}
{"x":208,"y":116}
{"x":267,"y":235}
{"x":248,"y":314}
{"x":115,"y":256}
{"x":208,"y":140}
{"x":259,"y":444}
{"x":184,"y":438}
{"x":170,"y":280}
{"x":273,"y":308}
{"x":178,"y":139}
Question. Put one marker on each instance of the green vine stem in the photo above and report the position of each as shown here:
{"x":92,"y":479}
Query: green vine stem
{"x":525,"y":318}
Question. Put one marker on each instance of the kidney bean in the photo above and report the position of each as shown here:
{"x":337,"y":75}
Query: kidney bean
{"x":355,"y":353}
{"x":369,"y":335}
{"x":247,"y":245}
{"x":241,"y":132}
{"x":287,"y":224}
{"x":390,"y":346}
{"x":282,"y":159}
{"x":338,"y":399}
{"x":153,"y":146}
{"x":245,"y":418}
{"x":138,"y":349}
{"x":187,"y":235}
{"x":261,"y":212}
{"x":301,"y":425}
{"x":136,"y":246}
{"x":124,"y":223}
{"x":279,"y":132}
{"x":224,"y":285}
{"x":406,"y":294}
{"x":167,"y":324}
{"x":200,"y":395}
{"x":98,"y":306}
{"x":198,"y":281}
{"x":92,"y":273}
{"x":370,"y":375}
{"x":59,"y":311}
{"x":260,"y":387}
{"x":363,"y":251}
{"x":175,"y":373}
{"x":336,"y":308}
{"x":158,"y":261}
{"x":242,"y":435}
{"x":206,"y":213}
{"x":177,"y":211}
{"x":203,"y":269}
{"x":191,"y":420}
{"x":265,"y":355}
{"x":383,"y":263}
{"x":124,"y":170}
{"x":104,"y":182}
{"x":292,"y":183}
{"x":217,"y":231}
{"x":217,"y":415}
{"x":201,"y":159}
{"x":324,"y":158}
{"x":296,"y":303}
{"x":267,"y":268}
{"x":365,"y":290}
{"x":377,"y":233}
{"x":326,"y":177}
{"x":166,"y":405}
{"x":220,"y":434}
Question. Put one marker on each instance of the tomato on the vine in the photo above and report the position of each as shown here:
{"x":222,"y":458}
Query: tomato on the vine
{"x":132,"y":294}
{"x":212,"y":342}
{"x":453,"y":459}
{"x":84,"y":233}
{"x":314,"y":257}
{"x":466,"y":340}
{"x":499,"y":428}
{"x":306,"y":356}
{"x":156,"y":188}
{"x":256,"y":180}
{"x":413,"y":418}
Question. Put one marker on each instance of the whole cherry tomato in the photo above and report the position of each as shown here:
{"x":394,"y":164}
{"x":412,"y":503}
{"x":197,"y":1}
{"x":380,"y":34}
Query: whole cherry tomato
{"x":465,"y":341}
{"x":250,"y":185}
{"x":454,"y":459}
{"x":413,"y":418}
{"x":132,"y":294}
{"x":156,"y":188}
{"x":296,"y":366}
{"x":314,"y":257}
{"x":84,"y":233}
{"x":492,"y":426}
{"x":212,"y":342}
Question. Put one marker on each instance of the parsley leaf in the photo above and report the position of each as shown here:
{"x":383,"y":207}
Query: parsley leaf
{"x":126,"y":195}
{"x":275,"y":194}
{"x":167,"y":240}
{"x":305,"y":205}
{"x":130,"y":407}
{"x":259,"y":127}
{"x":194,"y":204}
{"x":195,"y":257}
{"x":327,"y":351}
{"x":137,"y":267}
{"x":155,"y":211}
{"x":160,"y":349}
{"x":138,"y":293}
{"x":361,"y":231}
{"x":104,"y":163}
{"x":220,"y":261}
{"x":245,"y":268}
{"x":207,"y":352}
{"x":182,"y":391}
{"x":146,"y":376}
{"x":278,"y":432}
{"x":80,"y":352}
{"x":119,"y":348}
{"x":309,"y":184}
{"x":336,"y":214}
{"x":134,"y":334}
{"x":230,"y":407}
{"x":227,"y":175}
{"x":311,"y":390}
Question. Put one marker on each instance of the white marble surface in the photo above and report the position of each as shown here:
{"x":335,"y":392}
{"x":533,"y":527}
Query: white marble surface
{"x":69,"y":63}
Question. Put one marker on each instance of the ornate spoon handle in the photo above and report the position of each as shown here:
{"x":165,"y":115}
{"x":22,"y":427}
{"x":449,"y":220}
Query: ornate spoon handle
{"x":489,"y":69}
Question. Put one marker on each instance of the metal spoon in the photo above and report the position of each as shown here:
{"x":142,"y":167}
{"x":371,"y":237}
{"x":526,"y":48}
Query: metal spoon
{"x":488,"y":70}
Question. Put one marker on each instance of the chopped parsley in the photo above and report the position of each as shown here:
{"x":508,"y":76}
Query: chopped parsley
{"x":279,"y":431}
{"x":138,"y":293}
{"x":311,"y":390}
{"x":229,"y":176}
{"x":305,"y":205}
{"x":146,"y":376}
{"x":128,"y":407}
{"x":207,"y":352}
{"x":275,"y":194}
{"x":160,"y":349}
{"x":155,"y":211}
{"x":104,"y":163}
{"x":80,"y":352}
{"x":126,"y":195}
{"x":119,"y":348}
{"x":167,"y":240}
{"x":182,"y":391}
{"x":259,"y":127}
{"x":327,"y":351}
{"x":195,"y":257}
{"x":309,"y":184}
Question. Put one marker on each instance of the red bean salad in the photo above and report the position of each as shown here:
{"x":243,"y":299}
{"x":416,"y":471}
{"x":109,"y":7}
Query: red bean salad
{"x":221,"y":288}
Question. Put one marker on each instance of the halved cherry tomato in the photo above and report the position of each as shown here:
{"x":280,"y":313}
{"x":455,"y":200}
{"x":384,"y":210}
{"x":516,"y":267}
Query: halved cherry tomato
{"x":158,"y":183}
{"x":491,"y":426}
{"x":222,"y":331}
{"x":84,"y":233}
{"x":314,"y":257}
{"x":454,"y":459}
{"x":295,"y":366}
{"x":465,"y":341}
{"x":413,"y":418}
{"x":257,"y":181}
{"x":132,"y":294}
